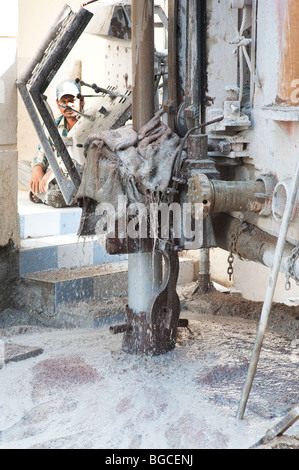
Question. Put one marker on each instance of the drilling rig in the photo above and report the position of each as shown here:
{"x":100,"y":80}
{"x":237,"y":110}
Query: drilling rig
{"x":217,"y":148}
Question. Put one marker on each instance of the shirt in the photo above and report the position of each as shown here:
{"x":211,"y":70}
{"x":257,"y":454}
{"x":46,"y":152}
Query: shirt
{"x":40,"y":157}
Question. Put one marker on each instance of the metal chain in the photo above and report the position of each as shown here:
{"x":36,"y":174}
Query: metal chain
{"x":233,"y":248}
{"x":290,"y":272}
{"x":230,"y":269}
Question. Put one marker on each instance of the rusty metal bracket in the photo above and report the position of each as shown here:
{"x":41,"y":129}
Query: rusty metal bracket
{"x":165,"y":306}
{"x":155,"y":332}
{"x":169,"y":107}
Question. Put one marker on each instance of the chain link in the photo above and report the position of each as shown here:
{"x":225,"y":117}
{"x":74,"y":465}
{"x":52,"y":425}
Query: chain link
{"x":233,"y":248}
{"x":230,"y":269}
{"x":290,"y":272}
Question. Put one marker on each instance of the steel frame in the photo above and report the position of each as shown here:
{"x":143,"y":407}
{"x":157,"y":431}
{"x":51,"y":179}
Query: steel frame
{"x":33,"y":82}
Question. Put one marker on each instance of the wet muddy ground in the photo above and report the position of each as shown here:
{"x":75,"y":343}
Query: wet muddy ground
{"x":82,"y":391}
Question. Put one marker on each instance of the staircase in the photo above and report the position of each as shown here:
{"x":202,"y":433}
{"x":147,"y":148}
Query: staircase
{"x":68,"y":280}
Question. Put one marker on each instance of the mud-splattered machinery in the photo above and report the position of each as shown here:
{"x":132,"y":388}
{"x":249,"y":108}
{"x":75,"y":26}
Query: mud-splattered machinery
{"x":229,"y":108}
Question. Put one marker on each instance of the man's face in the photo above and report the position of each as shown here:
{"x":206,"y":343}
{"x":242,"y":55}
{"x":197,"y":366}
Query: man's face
{"x":70,"y":101}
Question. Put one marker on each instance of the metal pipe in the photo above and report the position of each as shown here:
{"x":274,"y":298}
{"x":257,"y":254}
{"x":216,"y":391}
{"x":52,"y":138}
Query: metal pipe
{"x":172,"y":60}
{"x":236,"y":195}
{"x":116,"y":329}
{"x":253,"y":50}
{"x":226,"y":196}
{"x":143,"y":62}
{"x":204,"y":276}
{"x":198,"y":150}
{"x":144,"y":278}
{"x":79,"y":96}
{"x":88,"y":3}
{"x":91,"y":118}
{"x":252,"y":244}
{"x":99,"y":89}
{"x":144,"y":269}
{"x":269,"y":294}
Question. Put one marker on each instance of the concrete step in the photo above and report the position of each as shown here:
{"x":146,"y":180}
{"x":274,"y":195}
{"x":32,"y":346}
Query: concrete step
{"x":44,"y":292}
{"x":39,"y":220}
{"x":62,"y":252}
{"x":49,"y":239}
{"x":80,"y":296}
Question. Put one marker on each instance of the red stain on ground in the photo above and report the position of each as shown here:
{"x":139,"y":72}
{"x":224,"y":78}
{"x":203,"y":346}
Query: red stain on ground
{"x":62,"y":373}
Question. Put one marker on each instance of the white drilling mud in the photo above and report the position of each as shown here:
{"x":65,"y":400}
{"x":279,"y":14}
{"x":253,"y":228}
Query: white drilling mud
{"x":84,"y":392}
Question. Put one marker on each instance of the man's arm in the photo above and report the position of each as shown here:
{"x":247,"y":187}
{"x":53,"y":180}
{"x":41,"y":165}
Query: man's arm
{"x":36,"y":177}
{"x":40,"y":178}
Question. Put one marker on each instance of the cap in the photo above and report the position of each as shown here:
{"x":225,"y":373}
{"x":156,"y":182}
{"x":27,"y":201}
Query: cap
{"x":67,"y":87}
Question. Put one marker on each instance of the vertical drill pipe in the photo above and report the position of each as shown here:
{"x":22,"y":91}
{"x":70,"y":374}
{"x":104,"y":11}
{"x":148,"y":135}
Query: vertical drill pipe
{"x":202,"y":55}
{"x":172,"y":59}
{"x":197,"y":70}
{"x":144,"y":276}
{"x":198,"y":150}
{"x":143,"y":273}
{"x":269,"y":293}
{"x":143,"y":62}
{"x":204,"y":276}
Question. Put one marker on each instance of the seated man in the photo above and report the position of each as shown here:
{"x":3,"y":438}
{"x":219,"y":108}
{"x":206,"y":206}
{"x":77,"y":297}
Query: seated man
{"x":39,"y":176}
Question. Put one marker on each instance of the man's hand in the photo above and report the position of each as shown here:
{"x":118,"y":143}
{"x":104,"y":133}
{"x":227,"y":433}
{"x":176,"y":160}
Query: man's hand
{"x":39,"y":181}
{"x":37,"y":175}
{"x":44,"y":182}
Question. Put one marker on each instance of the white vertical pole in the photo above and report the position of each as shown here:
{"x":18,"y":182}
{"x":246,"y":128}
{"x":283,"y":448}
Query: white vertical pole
{"x":269,"y":293}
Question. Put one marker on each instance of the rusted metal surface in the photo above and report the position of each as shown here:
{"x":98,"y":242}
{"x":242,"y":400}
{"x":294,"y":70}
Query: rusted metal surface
{"x":122,"y":328}
{"x":111,"y":20}
{"x":16,"y":352}
{"x":154,"y":332}
{"x":143,"y":62}
{"x":117,"y":246}
{"x":144,"y":338}
{"x":172,"y":63}
{"x":237,"y":195}
{"x":198,"y":158}
{"x":204,"y":277}
{"x":223,"y":196}
{"x":198,"y":147}
{"x":289,"y":55}
{"x":191,"y":73}
{"x":252,"y":244}
{"x":165,"y":306}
